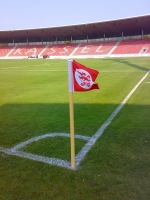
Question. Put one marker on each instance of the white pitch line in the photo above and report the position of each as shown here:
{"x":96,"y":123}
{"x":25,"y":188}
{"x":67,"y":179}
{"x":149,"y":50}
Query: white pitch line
{"x":51,"y":161}
{"x":121,"y":62}
{"x":43,"y":70}
{"x":115,"y":63}
{"x":80,"y":156}
{"x":45,"y":64}
{"x":94,"y":138}
{"x":15,"y":151}
{"x":51,"y":70}
{"x":55,"y":63}
{"x":118,"y":71}
{"x":30,"y":70}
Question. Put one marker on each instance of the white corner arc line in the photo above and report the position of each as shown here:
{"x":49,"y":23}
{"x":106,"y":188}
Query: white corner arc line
{"x":22,"y":144}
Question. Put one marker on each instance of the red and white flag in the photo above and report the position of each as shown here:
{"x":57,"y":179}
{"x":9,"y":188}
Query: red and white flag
{"x":81,"y":78}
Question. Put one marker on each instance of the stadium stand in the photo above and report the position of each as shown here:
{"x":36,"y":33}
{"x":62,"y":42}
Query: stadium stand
{"x":111,"y":48}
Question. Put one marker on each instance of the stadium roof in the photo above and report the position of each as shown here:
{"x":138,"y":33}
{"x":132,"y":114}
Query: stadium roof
{"x":113,"y":28}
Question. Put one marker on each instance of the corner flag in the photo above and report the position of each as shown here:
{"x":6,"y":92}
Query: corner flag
{"x":81,"y":79}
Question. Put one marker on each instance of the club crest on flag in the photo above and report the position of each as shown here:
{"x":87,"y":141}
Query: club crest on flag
{"x":83,"y":78}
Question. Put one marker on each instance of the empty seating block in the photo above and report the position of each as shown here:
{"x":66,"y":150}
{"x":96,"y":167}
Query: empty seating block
{"x":133,"y":47}
{"x":4,"y":50}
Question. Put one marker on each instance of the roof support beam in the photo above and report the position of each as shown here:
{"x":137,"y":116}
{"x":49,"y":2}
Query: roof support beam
{"x":142,"y":34}
{"x":122,"y":35}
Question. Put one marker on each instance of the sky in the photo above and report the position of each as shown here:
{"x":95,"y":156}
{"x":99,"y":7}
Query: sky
{"x":27,"y":14}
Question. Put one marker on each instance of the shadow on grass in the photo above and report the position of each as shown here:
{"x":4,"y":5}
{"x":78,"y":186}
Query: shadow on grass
{"x":20,"y":122}
{"x":129,"y":63}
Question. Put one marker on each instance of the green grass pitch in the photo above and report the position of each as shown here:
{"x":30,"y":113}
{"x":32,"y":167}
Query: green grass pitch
{"x":34,"y":101}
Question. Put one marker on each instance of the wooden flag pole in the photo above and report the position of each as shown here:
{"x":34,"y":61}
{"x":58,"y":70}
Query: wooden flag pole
{"x":72,"y":129}
{"x":71,"y":90}
{"x":75,"y":80}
